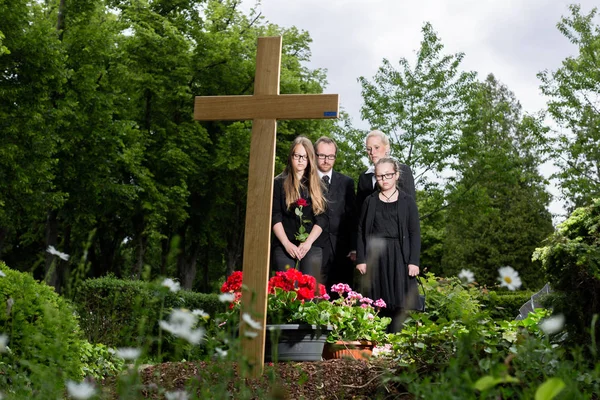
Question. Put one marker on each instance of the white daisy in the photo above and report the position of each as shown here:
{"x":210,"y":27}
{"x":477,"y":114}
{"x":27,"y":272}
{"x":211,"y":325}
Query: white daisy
{"x":80,"y":391}
{"x":181,"y":324}
{"x":226,"y":297}
{"x":466,"y":275}
{"x":177,"y":395}
{"x":553,"y":324}
{"x":250,"y":334}
{"x":57,"y":253}
{"x":222,"y":353}
{"x":129,"y":353}
{"x":248,"y":319}
{"x":201,"y":313}
{"x":171,"y":284}
{"x":509,"y":278}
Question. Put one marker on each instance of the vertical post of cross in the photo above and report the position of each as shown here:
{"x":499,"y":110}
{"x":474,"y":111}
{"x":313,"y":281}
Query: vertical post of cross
{"x":265,"y":107}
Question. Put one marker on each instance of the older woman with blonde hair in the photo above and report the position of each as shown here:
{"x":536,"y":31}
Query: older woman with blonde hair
{"x":378,"y":147}
{"x":299,"y":212}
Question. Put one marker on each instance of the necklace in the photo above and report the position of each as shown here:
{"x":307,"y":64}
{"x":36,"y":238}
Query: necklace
{"x":388,"y":198}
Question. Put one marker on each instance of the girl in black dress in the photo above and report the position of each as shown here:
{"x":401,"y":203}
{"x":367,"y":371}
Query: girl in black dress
{"x":297,"y":190}
{"x":389,"y":244}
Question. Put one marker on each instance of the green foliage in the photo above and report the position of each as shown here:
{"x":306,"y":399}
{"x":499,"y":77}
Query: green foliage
{"x":447,"y":299}
{"x":125,"y":313}
{"x":481,"y":358}
{"x":44,"y":340}
{"x":497,"y":212}
{"x":504,"y":304}
{"x":420,"y":105}
{"x":573,"y":93}
{"x":99,"y":361}
{"x":571,"y":258}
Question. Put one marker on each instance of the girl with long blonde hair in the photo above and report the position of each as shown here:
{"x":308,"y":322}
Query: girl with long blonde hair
{"x":299,"y":212}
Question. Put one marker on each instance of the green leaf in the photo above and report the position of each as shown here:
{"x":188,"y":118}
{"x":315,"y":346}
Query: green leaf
{"x":549,"y":389}
{"x":487,"y":382}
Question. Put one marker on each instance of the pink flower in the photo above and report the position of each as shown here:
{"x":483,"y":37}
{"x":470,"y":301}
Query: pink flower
{"x":341,"y":288}
{"x":354,"y":295}
{"x":325,"y":297}
{"x":366,"y":300}
{"x":364,"y":305}
{"x":380,"y":303}
{"x":370,"y":316}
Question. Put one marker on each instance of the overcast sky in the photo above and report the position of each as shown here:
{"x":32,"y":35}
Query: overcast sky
{"x":513,"y":39}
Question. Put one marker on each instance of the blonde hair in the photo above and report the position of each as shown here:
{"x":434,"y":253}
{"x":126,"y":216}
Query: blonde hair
{"x":393,"y":161}
{"x":292,"y":185}
{"x":375,"y":133}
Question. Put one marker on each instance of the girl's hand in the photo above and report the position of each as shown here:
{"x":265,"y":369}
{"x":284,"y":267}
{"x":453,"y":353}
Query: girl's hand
{"x":413,"y":270}
{"x":303,"y":248}
{"x":362,"y":268}
{"x":292,"y":250}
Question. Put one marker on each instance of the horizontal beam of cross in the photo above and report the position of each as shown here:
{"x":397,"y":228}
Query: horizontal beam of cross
{"x":283,"y":106}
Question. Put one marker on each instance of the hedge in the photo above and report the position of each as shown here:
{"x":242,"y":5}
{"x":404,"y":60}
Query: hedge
{"x":504,"y":304}
{"x":123,"y":313}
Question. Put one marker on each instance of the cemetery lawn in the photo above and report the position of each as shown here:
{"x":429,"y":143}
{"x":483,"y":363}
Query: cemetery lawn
{"x":330,"y":379}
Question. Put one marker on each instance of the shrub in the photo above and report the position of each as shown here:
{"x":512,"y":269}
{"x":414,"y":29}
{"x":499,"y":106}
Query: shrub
{"x":571,"y":259}
{"x":125,"y":313}
{"x":99,"y":361}
{"x":505,"y":304}
{"x":448,"y":299}
{"x":43,"y":335}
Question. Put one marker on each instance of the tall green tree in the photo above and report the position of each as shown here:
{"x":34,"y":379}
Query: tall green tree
{"x":497,"y":210}
{"x":420,"y":106}
{"x":574,"y":104}
{"x":32,"y":73}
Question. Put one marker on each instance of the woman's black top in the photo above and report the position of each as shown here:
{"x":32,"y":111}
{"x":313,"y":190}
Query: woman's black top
{"x":289,"y":219}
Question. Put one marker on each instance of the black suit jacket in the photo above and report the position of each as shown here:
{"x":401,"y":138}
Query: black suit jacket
{"x":341,"y":211}
{"x":408,"y":225}
{"x":365,"y":185}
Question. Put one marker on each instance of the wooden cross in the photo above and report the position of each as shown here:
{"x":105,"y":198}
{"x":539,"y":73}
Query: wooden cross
{"x":265,"y":107}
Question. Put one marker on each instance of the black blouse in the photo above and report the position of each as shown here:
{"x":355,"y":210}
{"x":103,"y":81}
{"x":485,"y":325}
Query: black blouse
{"x":289,"y":219}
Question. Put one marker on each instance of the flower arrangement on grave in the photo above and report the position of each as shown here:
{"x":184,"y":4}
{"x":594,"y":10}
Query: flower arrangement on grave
{"x":293,"y":297}
{"x":355,"y":317}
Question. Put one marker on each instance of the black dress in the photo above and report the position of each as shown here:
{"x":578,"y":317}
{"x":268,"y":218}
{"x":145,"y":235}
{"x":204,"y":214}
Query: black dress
{"x":281,"y":260}
{"x":390,"y":280}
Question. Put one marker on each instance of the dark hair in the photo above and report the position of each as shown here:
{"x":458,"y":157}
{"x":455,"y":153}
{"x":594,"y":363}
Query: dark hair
{"x":325,"y":139}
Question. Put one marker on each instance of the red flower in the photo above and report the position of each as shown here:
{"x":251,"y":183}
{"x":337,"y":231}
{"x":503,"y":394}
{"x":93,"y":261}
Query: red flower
{"x":322,"y":290}
{"x":307,"y":281}
{"x":233,"y":283}
{"x":305,"y":293}
{"x":301,"y":202}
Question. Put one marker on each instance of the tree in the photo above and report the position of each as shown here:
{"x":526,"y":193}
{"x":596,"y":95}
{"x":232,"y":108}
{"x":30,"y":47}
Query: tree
{"x":420,"y":106}
{"x":497,"y":210}
{"x":574,"y":92}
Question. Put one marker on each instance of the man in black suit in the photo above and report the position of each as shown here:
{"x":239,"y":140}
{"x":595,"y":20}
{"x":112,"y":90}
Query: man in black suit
{"x":340,"y":254}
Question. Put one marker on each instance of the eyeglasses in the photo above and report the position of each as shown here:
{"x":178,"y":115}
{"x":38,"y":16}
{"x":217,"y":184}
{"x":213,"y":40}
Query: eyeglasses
{"x":385,"y":176}
{"x":329,"y":157}
{"x":299,"y":157}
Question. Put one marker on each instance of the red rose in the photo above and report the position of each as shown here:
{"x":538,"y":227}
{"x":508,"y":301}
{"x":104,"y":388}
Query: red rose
{"x":302,"y":202}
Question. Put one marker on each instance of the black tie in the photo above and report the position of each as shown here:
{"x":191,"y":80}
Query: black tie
{"x":325,"y":179}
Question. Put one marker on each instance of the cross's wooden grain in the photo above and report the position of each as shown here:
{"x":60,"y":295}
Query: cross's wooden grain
{"x":265,"y":107}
